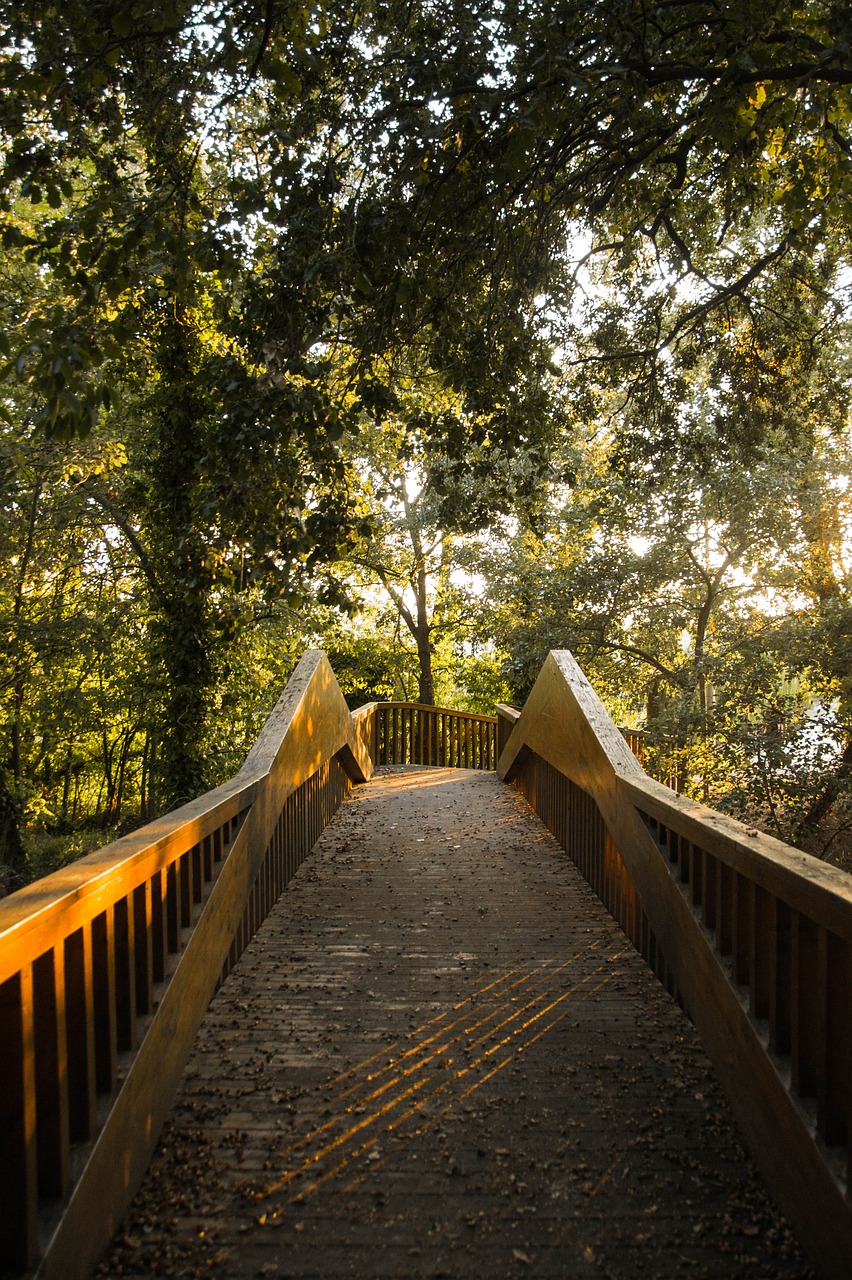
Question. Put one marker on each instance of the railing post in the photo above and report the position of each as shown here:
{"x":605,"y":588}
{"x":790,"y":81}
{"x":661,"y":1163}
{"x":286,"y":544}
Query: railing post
{"x":506,"y":719}
{"x":18,"y":1159}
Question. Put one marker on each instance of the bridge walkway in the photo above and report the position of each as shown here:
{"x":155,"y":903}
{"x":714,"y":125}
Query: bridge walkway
{"x":440,"y":1057}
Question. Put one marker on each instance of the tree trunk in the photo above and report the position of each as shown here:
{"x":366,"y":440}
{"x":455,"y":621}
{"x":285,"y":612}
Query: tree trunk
{"x":183,"y":631}
{"x":11,"y":845}
{"x":425,"y":679}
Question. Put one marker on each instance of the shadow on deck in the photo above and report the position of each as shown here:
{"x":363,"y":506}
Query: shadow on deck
{"x":440,"y":1056}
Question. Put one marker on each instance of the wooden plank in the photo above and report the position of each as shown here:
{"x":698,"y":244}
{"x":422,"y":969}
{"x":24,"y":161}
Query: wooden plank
{"x":804,"y":1007}
{"x":53,"y":1141}
{"x":80,"y":1024}
{"x":187,"y":892}
{"x":724,"y":909}
{"x":741,"y":919}
{"x":18,"y":1161}
{"x":709,"y":875}
{"x":834,"y":1082}
{"x":762,"y":939}
{"x":780,"y":978}
{"x":103,"y":1002}
{"x":143,"y":946}
{"x":159,"y":924}
{"x":173,"y":897}
{"x":125,"y":974}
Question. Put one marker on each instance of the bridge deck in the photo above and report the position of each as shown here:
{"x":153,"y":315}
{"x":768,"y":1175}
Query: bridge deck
{"x":440,"y":1057}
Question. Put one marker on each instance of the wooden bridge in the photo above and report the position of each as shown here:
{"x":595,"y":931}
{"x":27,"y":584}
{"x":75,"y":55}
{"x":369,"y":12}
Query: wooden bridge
{"x":438,"y":1052}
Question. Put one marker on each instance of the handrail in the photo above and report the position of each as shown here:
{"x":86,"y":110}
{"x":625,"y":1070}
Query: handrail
{"x":754,"y":937}
{"x":107,"y":967}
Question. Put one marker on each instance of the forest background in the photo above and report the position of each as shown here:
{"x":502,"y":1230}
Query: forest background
{"x":436,"y":336}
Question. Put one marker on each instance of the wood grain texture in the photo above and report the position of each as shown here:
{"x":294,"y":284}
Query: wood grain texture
{"x":564,"y":723}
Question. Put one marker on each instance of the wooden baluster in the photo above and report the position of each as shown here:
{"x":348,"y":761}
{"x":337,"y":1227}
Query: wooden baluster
{"x":804,"y":1006}
{"x":252,"y":911}
{"x":266,"y":904}
{"x":614,"y":876}
{"x":125,"y":974}
{"x":597,"y":831}
{"x":741,"y":918}
{"x":159,"y":926}
{"x":18,"y":1152}
{"x":144,"y":946}
{"x":724,"y":909}
{"x":834,"y":1038}
{"x":709,"y":871}
{"x":197,"y":873}
{"x":696,"y":875}
{"x":207,"y":858}
{"x":103,"y":1001}
{"x":278,"y":883}
{"x":173,"y":896}
{"x":187,"y":893}
{"x":762,"y":938}
{"x":780,"y":977}
{"x":683,"y":859}
{"x":51,"y":1061}
{"x":293,"y":804}
{"x":80,"y":1027}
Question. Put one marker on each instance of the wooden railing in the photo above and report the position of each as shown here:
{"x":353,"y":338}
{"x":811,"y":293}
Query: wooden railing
{"x":754,"y":938}
{"x":407,"y":733}
{"x":107,"y":968}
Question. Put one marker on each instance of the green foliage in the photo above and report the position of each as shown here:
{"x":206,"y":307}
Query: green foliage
{"x":503,"y":329}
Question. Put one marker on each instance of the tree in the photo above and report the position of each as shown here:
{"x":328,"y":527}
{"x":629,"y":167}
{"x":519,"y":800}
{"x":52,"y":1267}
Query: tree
{"x":686,"y":598}
{"x":703,"y":153}
{"x":137,"y":233}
